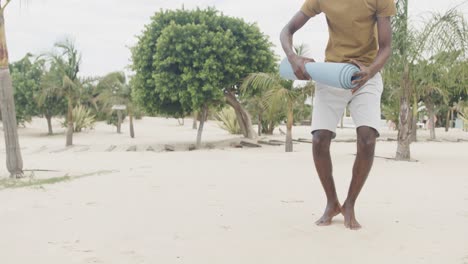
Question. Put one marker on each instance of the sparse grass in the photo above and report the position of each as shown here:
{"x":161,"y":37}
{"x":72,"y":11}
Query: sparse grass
{"x":32,"y":182}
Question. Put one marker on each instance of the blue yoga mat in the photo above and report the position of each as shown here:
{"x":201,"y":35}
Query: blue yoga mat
{"x":338,"y":75}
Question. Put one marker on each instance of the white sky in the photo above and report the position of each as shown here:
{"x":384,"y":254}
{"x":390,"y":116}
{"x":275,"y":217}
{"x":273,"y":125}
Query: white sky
{"x":104,"y":29}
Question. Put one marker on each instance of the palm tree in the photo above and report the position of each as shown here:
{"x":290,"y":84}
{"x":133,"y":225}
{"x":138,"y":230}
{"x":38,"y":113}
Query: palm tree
{"x":446,"y":32}
{"x":63,"y":79}
{"x":14,"y":159}
{"x":457,"y":89}
{"x":435,"y":82}
{"x":114,"y":90}
{"x":268,"y":115}
{"x":279,"y":91}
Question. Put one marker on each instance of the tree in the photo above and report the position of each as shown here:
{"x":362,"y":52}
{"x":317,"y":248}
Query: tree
{"x":457,"y":89}
{"x":258,"y":97}
{"x":26,"y":76}
{"x":114,"y":90}
{"x":187,"y":61}
{"x":49,"y":102}
{"x":441,"y":32}
{"x":257,"y":107}
{"x":14,"y":159}
{"x":434,"y":82}
{"x":279,"y":92}
{"x":63,"y":79}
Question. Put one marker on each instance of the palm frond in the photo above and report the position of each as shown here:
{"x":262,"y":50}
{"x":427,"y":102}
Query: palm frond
{"x":260,"y":82}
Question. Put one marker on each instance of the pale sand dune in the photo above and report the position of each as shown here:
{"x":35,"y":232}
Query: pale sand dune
{"x":229,"y":206}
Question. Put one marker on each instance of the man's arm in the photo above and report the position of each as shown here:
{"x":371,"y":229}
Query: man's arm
{"x":384,"y":29}
{"x":286,"y":37}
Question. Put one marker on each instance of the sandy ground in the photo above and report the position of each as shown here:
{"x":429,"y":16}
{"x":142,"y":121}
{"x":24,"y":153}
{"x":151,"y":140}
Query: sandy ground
{"x":227,"y":205}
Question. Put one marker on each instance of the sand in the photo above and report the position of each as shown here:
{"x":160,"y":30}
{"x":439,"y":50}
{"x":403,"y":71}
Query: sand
{"x":227,"y":205}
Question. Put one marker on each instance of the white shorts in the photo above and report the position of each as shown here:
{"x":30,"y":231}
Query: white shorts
{"x":364,"y":105}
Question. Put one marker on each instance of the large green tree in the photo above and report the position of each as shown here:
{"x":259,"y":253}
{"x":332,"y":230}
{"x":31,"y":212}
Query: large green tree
{"x":188,"y":61}
{"x":26,"y":76}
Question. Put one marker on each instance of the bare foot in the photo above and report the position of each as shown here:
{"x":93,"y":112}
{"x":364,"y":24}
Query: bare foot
{"x":331,"y":211}
{"x":350,"y":219}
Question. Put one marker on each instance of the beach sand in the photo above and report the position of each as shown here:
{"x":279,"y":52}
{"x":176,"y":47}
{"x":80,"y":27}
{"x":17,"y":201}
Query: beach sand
{"x":227,"y":205}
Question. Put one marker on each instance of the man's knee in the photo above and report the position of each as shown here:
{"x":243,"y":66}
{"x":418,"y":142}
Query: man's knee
{"x":367,"y":137}
{"x":321,"y":140}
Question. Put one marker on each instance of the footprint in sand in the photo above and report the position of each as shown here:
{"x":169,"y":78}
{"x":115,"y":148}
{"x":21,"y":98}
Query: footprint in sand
{"x":62,"y":150}
{"x":39,"y":150}
{"x":92,"y":260}
{"x":84,"y":149}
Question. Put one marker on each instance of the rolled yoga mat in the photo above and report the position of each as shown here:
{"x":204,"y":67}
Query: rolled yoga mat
{"x":338,"y":75}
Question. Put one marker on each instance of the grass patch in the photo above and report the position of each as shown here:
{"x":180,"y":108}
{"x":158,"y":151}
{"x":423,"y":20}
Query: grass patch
{"x":30,"y":181}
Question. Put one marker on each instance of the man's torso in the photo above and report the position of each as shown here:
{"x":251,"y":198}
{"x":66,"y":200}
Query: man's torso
{"x":352,"y":27}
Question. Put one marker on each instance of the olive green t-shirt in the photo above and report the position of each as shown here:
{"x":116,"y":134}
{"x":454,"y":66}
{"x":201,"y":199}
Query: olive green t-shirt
{"x":352,"y":27}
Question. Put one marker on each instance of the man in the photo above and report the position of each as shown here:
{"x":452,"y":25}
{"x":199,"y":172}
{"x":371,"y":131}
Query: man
{"x":359,"y":33}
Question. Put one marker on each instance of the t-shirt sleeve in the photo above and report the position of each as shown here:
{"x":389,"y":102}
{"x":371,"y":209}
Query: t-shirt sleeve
{"x":311,"y":8}
{"x":385,"y":8}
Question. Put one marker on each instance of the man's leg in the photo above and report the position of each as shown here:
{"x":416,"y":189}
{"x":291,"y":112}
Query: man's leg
{"x":323,"y":164}
{"x":366,"y":137}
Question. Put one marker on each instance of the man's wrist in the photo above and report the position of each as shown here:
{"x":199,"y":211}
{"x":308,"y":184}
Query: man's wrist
{"x":291,"y":55}
{"x":373,"y":70}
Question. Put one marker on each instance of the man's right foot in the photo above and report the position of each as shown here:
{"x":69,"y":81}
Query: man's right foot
{"x":330,"y":212}
{"x":350,"y":219}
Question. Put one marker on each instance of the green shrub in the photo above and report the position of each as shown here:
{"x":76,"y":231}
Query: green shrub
{"x":227,"y":120}
{"x":82,"y":119}
{"x":113,"y":118}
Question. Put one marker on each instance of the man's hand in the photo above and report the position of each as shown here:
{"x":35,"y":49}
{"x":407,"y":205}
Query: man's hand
{"x":298,"y":65}
{"x":363,"y":76}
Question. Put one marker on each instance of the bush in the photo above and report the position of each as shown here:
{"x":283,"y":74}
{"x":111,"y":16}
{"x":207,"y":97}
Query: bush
{"x":227,"y":120}
{"x":113,"y":119}
{"x":82,"y":119}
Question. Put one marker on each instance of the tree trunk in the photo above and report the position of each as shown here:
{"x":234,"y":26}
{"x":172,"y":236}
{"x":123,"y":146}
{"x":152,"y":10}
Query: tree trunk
{"x":447,"y":121}
{"x":243,"y":117}
{"x":119,"y":121}
{"x":200,"y":127}
{"x":404,"y":131}
{"x":70,"y":123}
{"x":431,"y":114}
{"x":271,"y":128}
{"x":289,"y":142}
{"x":49,"y":125}
{"x":414,"y":121}
{"x":195,"y":120}
{"x":14,"y":160}
{"x":260,"y":125}
{"x":132,"y":130}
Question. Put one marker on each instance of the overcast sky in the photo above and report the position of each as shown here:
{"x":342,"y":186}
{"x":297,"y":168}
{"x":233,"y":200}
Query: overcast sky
{"x":104,"y":29}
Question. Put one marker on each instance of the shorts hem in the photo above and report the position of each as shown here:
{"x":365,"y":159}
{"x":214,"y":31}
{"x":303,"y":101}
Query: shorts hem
{"x":327,"y":129}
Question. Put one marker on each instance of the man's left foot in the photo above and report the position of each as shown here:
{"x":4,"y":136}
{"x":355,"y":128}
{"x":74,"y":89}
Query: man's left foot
{"x":331,"y":211}
{"x":350,"y":219}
